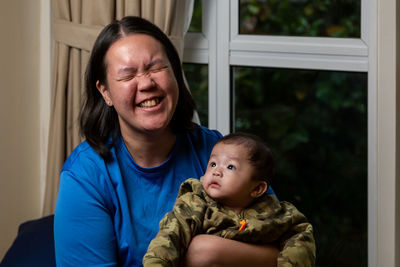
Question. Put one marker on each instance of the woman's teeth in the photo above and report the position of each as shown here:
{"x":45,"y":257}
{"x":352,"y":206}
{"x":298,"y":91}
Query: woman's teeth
{"x":149,"y":103}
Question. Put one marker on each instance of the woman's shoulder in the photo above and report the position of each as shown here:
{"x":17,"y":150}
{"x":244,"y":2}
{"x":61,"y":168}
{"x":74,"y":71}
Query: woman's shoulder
{"x":203,"y":134}
{"x":83,"y":158}
{"x":85,"y":168}
{"x":202,"y":140}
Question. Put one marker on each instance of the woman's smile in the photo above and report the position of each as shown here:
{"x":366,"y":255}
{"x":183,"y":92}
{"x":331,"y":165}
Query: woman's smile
{"x":149,"y":103}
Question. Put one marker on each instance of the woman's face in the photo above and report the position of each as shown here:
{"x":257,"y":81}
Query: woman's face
{"x":141,"y":84}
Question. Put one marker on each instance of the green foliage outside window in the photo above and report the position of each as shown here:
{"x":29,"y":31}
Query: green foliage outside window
{"x":329,"y":18}
{"x":196,"y":22}
{"x":197,"y":77}
{"x":316,"y":124}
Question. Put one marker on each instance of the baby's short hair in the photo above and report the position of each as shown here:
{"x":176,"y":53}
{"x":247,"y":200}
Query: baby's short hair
{"x":259,"y":154}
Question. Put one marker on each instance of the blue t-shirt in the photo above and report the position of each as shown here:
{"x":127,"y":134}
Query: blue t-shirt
{"x":108,"y":212}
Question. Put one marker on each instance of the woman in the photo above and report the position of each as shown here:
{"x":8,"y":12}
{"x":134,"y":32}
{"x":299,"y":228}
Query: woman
{"x":140,"y":145}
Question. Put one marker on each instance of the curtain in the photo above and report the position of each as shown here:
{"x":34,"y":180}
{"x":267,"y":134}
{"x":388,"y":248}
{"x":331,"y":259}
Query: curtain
{"x":76,"y":24}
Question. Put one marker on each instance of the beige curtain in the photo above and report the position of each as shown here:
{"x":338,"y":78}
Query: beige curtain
{"x":76,"y":24}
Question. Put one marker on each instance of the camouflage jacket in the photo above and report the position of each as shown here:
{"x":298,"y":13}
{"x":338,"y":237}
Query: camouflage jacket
{"x":267,"y":221}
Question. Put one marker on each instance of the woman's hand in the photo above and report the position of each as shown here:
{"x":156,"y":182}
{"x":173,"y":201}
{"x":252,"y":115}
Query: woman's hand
{"x":209,"y":250}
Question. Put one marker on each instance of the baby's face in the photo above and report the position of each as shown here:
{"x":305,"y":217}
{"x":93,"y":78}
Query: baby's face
{"x":228,"y":178}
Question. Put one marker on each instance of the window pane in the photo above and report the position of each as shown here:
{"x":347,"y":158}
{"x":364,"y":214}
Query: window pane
{"x":195,"y":24}
{"x":300,"y":17}
{"x":316,"y":125}
{"x":197,"y":77}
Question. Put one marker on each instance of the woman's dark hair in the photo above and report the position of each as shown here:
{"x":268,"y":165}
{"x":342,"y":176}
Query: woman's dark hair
{"x":99,"y":122}
{"x":260,"y":156}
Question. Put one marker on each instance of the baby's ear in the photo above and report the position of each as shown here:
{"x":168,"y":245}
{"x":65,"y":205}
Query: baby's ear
{"x":260,"y":189}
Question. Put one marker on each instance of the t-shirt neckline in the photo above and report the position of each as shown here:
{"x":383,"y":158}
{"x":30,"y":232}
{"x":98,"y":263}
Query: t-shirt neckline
{"x":158,"y":168}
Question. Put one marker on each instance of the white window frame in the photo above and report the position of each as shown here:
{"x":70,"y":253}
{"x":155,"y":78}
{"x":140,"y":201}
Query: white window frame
{"x":220,"y":46}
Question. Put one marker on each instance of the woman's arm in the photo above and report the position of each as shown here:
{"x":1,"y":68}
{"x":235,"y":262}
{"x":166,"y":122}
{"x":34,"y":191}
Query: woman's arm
{"x":209,"y":250}
{"x":83,"y":230}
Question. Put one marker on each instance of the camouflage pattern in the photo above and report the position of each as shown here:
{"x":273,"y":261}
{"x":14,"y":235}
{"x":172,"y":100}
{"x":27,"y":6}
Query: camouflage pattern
{"x":268,"y":221}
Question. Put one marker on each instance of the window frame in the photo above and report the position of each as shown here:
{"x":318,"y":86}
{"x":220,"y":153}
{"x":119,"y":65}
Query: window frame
{"x":221,"y":46}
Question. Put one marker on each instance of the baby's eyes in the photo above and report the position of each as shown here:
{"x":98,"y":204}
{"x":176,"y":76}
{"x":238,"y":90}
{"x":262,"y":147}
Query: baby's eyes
{"x":231,"y":167}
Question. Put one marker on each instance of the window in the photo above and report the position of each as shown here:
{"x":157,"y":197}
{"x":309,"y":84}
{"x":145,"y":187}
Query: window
{"x":197,"y":77}
{"x":317,"y":129}
{"x":300,"y":18}
{"x":301,"y":87}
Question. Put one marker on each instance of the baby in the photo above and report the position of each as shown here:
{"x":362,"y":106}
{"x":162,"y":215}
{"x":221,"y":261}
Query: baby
{"x":230,"y":202}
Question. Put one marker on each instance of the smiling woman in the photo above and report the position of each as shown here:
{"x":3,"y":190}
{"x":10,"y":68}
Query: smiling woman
{"x":140,"y":146}
{"x":137,"y":114}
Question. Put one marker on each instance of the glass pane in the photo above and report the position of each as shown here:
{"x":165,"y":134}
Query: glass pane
{"x":197,"y":77}
{"x":324,"y":18}
{"x":195,"y":24}
{"x":316,"y":124}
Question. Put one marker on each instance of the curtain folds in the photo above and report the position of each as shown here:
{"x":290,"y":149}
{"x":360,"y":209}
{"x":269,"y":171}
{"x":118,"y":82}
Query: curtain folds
{"x":76,"y":24}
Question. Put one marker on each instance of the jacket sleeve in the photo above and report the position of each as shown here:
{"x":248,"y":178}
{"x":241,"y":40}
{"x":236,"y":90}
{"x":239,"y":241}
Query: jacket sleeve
{"x":176,"y":230}
{"x":297,"y":244}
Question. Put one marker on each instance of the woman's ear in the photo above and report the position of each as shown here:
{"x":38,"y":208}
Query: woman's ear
{"x":104,"y":92}
{"x":260,"y":189}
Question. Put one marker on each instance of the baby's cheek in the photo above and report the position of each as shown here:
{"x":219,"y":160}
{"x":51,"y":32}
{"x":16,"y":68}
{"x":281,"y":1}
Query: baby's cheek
{"x":204,"y":180}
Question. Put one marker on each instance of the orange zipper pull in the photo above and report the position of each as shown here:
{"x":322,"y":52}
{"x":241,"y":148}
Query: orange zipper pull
{"x":242,"y":225}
